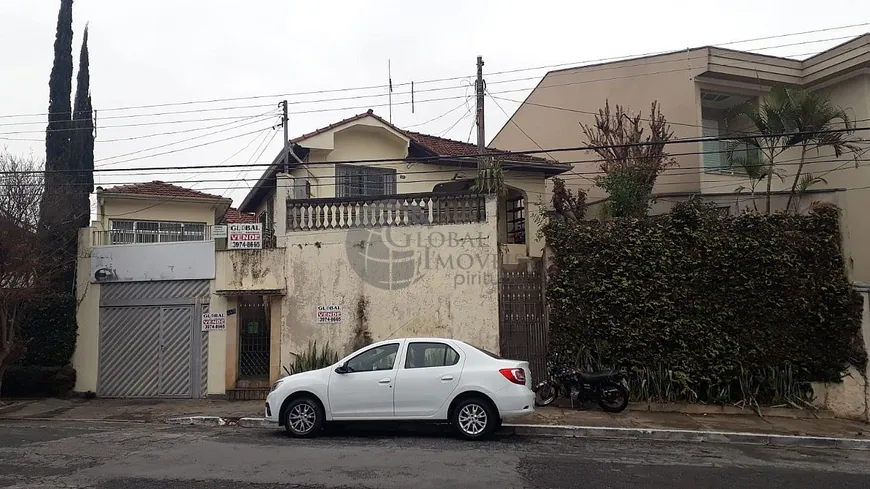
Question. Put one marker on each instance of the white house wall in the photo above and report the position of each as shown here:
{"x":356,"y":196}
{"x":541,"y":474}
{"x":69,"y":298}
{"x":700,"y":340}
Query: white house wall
{"x":451,"y":288}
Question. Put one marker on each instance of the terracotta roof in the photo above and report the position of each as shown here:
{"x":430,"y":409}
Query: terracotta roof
{"x":438,"y":146}
{"x":449,"y":147}
{"x":235,"y":216}
{"x":160,"y":189}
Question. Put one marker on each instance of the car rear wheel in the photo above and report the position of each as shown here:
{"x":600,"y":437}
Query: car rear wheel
{"x":474,"y":419}
{"x":303,"y":418}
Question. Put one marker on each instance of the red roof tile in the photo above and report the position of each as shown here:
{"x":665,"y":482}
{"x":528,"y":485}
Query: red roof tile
{"x":160,"y":189}
{"x":449,"y":147}
{"x":235,"y":216}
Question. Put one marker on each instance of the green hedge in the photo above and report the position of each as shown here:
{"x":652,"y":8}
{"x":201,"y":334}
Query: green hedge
{"x":29,"y":381}
{"x":48,"y":331}
{"x":704,"y":306}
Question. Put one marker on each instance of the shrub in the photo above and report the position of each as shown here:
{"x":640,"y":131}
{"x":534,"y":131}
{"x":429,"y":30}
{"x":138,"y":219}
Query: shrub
{"x":30,"y":381}
{"x":49,"y":331}
{"x":313,"y":358}
{"x":701,"y":306}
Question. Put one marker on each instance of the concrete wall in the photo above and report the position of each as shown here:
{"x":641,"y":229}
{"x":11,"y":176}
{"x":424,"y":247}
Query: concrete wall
{"x":566,"y":98}
{"x":451,"y":289}
{"x":87,"y":350}
{"x":250,"y":270}
{"x":217,"y":347}
{"x":850,"y":398}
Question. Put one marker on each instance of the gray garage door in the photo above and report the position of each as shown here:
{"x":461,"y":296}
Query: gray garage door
{"x":150,"y":340}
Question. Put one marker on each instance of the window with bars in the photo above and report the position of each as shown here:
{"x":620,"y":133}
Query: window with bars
{"x":133,"y":232}
{"x":516,"y":220}
{"x":364,"y":181}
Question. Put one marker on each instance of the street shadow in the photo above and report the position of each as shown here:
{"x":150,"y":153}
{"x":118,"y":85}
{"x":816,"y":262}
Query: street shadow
{"x":382,"y":430}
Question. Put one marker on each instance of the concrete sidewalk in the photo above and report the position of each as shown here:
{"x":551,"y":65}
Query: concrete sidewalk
{"x":551,"y":421}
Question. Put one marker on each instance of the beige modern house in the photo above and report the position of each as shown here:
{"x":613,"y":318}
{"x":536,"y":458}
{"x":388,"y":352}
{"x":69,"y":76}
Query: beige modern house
{"x":365,"y":232}
{"x":694,"y":88}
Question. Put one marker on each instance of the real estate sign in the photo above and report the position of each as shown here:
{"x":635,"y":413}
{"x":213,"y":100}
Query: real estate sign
{"x":214,"y":321}
{"x":329,"y":314}
{"x":245,"y":237}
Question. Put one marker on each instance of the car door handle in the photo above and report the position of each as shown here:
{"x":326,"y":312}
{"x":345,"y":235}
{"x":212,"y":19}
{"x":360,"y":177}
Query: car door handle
{"x":447,"y":377}
{"x":384,"y":381}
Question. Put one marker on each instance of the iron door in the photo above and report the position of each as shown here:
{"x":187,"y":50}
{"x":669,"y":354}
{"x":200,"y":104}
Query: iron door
{"x":176,"y":331}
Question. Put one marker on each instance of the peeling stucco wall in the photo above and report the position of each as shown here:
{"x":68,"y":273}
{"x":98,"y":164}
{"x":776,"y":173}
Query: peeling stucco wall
{"x":417,"y":281}
{"x":250,"y":269}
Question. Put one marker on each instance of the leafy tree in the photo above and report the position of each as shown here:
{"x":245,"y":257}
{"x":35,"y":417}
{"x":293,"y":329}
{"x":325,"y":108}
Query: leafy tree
{"x":631,"y":160}
{"x":28,"y":267}
{"x":793,"y":118}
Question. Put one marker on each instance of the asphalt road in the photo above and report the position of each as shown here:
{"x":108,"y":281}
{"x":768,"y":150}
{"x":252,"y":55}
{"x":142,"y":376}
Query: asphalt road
{"x":118,"y":456}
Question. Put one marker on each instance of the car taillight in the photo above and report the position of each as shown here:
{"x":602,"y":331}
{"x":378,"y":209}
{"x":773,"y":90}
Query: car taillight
{"x":515,"y":375}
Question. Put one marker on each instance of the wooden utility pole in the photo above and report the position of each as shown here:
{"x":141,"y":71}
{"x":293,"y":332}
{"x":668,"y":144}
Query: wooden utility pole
{"x":284,"y":118}
{"x":480,"y":88}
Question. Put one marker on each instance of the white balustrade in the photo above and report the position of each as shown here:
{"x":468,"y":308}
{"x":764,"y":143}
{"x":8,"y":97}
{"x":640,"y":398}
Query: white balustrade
{"x":399,"y":210}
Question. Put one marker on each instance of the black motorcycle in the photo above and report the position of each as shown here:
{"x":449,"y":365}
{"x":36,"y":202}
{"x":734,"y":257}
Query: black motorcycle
{"x":608,"y":388}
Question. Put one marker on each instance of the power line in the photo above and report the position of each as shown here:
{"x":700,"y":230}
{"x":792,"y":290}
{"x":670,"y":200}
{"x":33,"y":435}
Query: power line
{"x":466,"y":157}
{"x":676,"y":171}
{"x":140,"y":124}
{"x":256,"y":121}
{"x":453,"y":78}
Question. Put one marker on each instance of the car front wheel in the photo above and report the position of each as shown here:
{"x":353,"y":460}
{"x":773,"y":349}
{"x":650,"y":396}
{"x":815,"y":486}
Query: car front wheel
{"x":474,"y":419}
{"x":303,"y":418}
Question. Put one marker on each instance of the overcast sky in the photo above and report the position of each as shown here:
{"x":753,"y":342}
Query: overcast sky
{"x":170,"y":51}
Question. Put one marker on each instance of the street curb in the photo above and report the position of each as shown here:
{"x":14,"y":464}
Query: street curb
{"x":646,"y":434}
{"x":76,"y":420}
{"x":197,"y":421}
{"x":656,"y":434}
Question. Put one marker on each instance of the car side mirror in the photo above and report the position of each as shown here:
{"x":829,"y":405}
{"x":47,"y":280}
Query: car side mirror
{"x":342,"y":369}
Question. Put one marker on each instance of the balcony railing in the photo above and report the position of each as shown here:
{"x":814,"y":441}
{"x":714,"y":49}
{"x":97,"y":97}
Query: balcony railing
{"x":385,"y":211}
{"x":143,"y":236}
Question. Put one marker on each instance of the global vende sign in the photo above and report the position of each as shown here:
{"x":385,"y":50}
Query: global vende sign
{"x":245,"y":237}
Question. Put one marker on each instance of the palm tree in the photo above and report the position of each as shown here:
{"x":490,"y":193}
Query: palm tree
{"x":791,"y":118}
{"x":814,"y":116}
{"x":753,"y":168}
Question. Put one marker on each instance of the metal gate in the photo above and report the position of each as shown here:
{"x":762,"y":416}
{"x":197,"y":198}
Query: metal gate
{"x":151,"y":343}
{"x":522,"y":325}
{"x":254,"y":338}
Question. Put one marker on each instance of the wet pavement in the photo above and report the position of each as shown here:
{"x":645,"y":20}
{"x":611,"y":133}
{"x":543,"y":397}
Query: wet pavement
{"x":129,"y":455}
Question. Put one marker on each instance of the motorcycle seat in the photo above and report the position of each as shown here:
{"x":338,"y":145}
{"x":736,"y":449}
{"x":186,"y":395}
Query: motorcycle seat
{"x":599,"y":376}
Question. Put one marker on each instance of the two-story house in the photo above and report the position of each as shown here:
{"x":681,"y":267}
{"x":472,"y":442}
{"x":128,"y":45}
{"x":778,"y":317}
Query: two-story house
{"x":145,"y":275}
{"x":695,"y":88}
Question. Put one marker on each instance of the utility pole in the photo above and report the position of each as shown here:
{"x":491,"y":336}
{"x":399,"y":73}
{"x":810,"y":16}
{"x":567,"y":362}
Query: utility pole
{"x":286,"y":138}
{"x":480,"y":88}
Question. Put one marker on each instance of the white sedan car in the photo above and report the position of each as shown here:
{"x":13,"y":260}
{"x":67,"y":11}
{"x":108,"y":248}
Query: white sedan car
{"x":414,"y":379}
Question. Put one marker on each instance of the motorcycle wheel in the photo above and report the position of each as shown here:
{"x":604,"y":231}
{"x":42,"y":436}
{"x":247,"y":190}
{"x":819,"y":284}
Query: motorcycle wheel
{"x":545,"y":394}
{"x":613,"y":398}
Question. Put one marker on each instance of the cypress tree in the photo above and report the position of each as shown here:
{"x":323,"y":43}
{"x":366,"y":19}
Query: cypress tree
{"x":57,"y":135}
{"x":83,"y":139}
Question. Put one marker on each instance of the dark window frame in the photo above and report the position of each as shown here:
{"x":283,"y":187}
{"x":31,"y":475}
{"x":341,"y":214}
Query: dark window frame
{"x":447,"y":348}
{"x":364,"y":181}
{"x":393,"y":366}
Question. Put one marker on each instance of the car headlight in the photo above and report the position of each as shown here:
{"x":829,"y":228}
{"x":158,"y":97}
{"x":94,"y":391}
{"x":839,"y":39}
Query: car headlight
{"x":276,"y":384}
